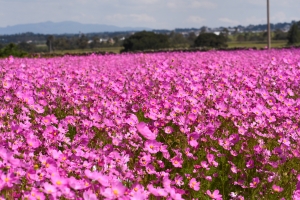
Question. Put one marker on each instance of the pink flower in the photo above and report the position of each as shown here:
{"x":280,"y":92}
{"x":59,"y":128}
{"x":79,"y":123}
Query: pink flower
{"x":215,"y":195}
{"x":58,"y":181}
{"x":158,"y":192}
{"x":194,"y":184}
{"x":49,"y":189}
{"x":168,"y":130}
{"x":6,"y":84}
{"x":179,"y":181}
{"x":145,"y":131}
{"x":8,"y":180}
{"x":205,"y":165}
{"x":193,"y":139}
{"x":89,"y":195}
{"x":277,"y":188}
{"x":177,"y":161}
{"x":117,"y":190}
{"x":211,"y":160}
{"x":255,"y":182}
{"x":152,"y":146}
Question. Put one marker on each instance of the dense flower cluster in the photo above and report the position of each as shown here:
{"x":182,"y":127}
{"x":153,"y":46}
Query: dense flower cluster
{"x":206,"y":125}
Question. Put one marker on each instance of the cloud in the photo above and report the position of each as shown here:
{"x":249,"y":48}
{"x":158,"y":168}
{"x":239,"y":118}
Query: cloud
{"x":115,"y":17}
{"x":256,"y":20}
{"x":257,"y":2}
{"x":172,"y":5}
{"x":146,"y":1}
{"x":142,"y":18}
{"x":195,"y":19}
{"x":203,"y":4}
{"x":229,"y":21}
{"x":130,"y":17}
{"x":279,"y":16}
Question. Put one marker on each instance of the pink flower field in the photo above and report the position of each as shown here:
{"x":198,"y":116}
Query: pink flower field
{"x":205,"y":125}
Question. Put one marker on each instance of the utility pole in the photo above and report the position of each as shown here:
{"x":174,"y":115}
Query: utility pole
{"x":269,"y":27}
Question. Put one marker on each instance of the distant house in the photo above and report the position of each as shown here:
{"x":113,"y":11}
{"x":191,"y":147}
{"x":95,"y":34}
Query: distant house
{"x":104,"y":40}
{"x":286,"y":28}
{"x":111,"y":41}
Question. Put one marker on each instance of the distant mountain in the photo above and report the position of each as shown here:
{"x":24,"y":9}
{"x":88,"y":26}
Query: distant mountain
{"x":66,"y":27}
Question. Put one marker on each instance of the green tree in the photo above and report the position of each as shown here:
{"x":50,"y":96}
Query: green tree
{"x":61,"y":43}
{"x":12,"y":50}
{"x":240,"y":37}
{"x":49,"y":43}
{"x":82,"y":42}
{"x":279,"y":35}
{"x":210,"y":40}
{"x":177,"y":40}
{"x":95,"y":43}
{"x":191,"y":38}
{"x":293,"y":34}
{"x":145,"y":40}
{"x":24,"y":46}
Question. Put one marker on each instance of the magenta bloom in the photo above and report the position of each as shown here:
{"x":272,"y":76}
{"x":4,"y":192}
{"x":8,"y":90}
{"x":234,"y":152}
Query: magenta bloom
{"x":194,"y":184}
{"x":277,"y":188}
{"x":177,"y":161}
{"x":193,"y":139}
{"x":215,"y":195}
{"x":89,"y":195}
{"x":116,"y":191}
{"x":6,"y":84}
{"x":152,"y":146}
{"x":168,"y":130}
{"x":145,"y":131}
{"x":179,"y":180}
{"x":255,"y":182}
{"x":49,"y":189}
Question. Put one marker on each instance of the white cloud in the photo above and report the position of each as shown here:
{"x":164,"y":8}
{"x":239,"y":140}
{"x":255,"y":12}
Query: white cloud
{"x":146,"y":1}
{"x":279,"y":17}
{"x":115,"y":17}
{"x":130,"y":17}
{"x":203,"y":4}
{"x":229,"y":21}
{"x":257,"y":2}
{"x":195,"y":19}
{"x":142,"y":18}
{"x":172,"y":4}
{"x":256,"y":20}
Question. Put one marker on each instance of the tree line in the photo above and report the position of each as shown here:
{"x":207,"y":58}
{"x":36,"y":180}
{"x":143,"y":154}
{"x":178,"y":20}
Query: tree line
{"x":148,"y":41}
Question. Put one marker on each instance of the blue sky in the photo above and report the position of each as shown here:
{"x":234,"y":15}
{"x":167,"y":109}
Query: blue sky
{"x":157,"y":14}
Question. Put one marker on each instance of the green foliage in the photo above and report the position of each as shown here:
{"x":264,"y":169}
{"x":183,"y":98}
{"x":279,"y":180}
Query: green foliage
{"x":178,"y":40}
{"x":82,"y":42}
{"x":27,"y":47}
{"x":145,"y":40}
{"x":12,"y":50}
{"x":293,"y":34}
{"x":279,"y":35}
{"x":210,"y":40}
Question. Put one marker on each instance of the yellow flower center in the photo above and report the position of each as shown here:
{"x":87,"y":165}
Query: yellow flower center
{"x":116,"y":192}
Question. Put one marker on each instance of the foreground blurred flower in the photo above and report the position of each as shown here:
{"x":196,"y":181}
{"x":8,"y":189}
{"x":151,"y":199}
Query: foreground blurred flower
{"x":117,"y":190}
{"x":194,"y":184}
{"x":215,"y":195}
{"x":89,"y":195}
{"x":277,"y":188}
{"x":145,"y":131}
{"x":177,"y":161}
